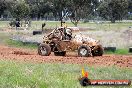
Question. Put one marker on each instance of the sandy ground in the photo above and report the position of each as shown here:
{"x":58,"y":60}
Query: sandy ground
{"x":32,"y":56}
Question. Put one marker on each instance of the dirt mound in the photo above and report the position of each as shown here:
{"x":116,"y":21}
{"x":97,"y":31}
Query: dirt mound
{"x":32,"y":56}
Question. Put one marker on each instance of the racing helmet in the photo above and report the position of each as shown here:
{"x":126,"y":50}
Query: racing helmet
{"x":68,"y":31}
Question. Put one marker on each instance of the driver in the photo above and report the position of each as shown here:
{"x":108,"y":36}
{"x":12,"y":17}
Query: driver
{"x":68,"y":34}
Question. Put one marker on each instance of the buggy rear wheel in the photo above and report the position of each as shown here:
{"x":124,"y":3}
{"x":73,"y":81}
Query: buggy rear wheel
{"x":59,"y":53}
{"x":98,"y":51}
{"x":62,"y":53}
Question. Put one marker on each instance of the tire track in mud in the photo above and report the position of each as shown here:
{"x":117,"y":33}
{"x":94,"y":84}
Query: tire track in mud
{"x":32,"y":56}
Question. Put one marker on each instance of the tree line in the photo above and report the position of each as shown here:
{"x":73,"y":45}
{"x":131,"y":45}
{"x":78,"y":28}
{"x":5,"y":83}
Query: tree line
{"x":75,"y":10}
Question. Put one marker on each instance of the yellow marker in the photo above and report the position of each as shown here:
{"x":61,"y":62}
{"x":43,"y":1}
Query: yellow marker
{"x":83,"y":72}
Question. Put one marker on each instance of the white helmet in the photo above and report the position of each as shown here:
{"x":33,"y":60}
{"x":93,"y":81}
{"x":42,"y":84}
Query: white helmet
{"x":69,"y":31}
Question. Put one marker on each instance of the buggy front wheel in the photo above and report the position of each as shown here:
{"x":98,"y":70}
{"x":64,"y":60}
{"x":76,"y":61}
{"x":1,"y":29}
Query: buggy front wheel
{"x":44,"y":50}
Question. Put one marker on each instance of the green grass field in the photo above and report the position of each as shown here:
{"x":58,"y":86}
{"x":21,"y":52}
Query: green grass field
{"x":118,"y":52}
{"x":36,"y":25}
{"x":20,"y":44}
{"x":4,"y":24}
{"x":15,"y":74}
{"x":102,"y":26}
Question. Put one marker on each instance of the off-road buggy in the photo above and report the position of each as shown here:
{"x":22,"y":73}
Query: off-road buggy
{"x":61,"y":40}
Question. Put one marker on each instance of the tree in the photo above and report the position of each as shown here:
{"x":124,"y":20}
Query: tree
{"x":80,"y":9}
{"x":113,"y":9}
{"x":20,"y":10}
{"x":103,"y":10}
{"x":39,"y":8}
{"x":130,"y":10}
{"x":2,"y":6}
{"x":74,"y":9}
{"x":130,"y":6}
{"x":59,"y":9}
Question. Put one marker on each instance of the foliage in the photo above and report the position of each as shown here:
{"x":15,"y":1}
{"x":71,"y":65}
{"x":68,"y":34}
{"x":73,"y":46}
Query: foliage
{"x":80,"y":9}
{"x":113,"y":9}
{"x":59,"y":8}
{"x":75,"y":10}
{"x":2,"y":7}
{"x":39,"y":8}
{"x":130,"y":6}
{"x":20,"y":10}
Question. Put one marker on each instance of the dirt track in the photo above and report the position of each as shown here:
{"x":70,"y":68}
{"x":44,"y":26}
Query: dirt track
{"x":31,"y":56}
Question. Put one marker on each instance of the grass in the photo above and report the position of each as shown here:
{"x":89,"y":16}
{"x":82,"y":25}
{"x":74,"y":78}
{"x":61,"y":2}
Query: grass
{"x":35,"y":25}
{"x":101,"y":26}
{"x":118,"y":52}
{"x":122,"y":51}
{"x":3,"y":37}
{"x":45,"y":75}
{"x":20,"y":44}
{"x":4,"y":24}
